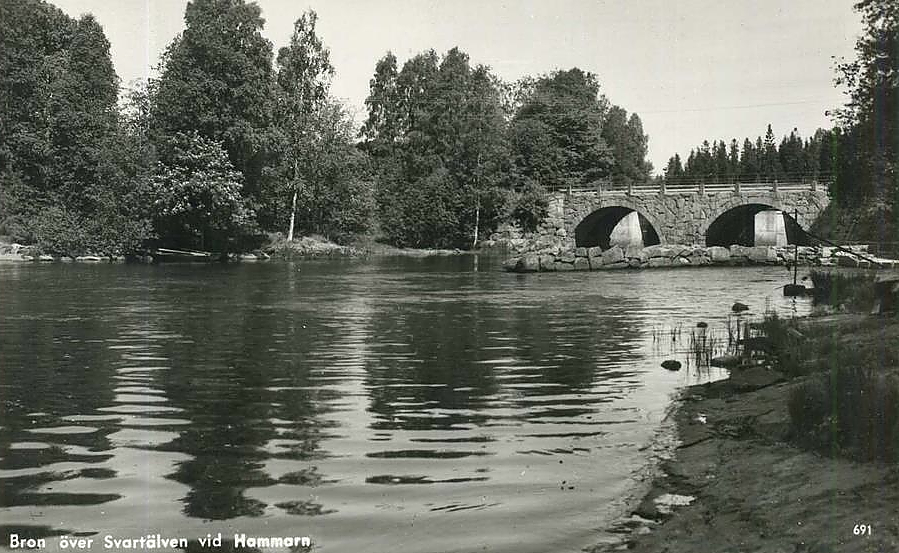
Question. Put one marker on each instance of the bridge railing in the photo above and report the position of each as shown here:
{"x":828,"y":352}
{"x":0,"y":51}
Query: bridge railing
{"x":792,"y":185}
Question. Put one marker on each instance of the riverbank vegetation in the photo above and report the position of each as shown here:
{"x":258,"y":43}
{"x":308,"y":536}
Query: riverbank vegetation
{"x":847,"y":399}
{"x":797,"y":447}
{"x":233,"y":140}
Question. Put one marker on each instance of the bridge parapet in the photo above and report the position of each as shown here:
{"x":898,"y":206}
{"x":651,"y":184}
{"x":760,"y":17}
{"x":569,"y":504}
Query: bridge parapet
{"x":605,"y":188}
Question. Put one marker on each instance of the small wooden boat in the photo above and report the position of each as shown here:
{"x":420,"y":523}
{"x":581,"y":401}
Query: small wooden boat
{"x":161,"y":255}
{"x":792,"y":290}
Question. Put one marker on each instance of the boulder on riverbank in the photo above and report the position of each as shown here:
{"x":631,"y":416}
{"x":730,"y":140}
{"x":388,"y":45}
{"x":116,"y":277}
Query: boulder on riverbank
{"x":26,"y":253}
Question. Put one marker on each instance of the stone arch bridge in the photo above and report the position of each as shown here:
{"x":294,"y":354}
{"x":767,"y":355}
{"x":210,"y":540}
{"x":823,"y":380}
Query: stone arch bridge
{"x":712,"y":215}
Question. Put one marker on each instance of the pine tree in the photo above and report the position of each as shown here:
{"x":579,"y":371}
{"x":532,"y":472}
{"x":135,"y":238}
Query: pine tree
{"x":721,"y":163}
{"x":674,"y":170}
{"x":733,"y":161}
{"x":749,"y":161}
{"x":770,"y":161}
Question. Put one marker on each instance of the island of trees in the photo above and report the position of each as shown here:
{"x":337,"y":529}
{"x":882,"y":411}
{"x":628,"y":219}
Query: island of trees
{"x":234,"y":142}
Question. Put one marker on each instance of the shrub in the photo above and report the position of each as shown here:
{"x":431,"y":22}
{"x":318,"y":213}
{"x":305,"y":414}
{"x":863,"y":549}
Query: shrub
{"x":787,"y":346}
{"x":59,"y":231}
{"x":530,"y":206}
{"x":853,"y":290}
{"x":851,"y":411}
{"x":196,"y":191}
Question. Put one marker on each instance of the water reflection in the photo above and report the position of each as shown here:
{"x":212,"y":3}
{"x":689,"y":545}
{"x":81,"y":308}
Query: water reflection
{"x":407,"y":405}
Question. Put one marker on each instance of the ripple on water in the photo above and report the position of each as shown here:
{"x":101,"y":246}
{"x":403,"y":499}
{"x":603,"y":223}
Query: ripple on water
{"x":25,"y":446}
{"x":409,"y":406}
{"x":63,"y":430}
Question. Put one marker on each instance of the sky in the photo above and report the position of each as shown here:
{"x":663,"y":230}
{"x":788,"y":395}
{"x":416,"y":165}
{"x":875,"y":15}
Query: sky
{"x":691,"y":69}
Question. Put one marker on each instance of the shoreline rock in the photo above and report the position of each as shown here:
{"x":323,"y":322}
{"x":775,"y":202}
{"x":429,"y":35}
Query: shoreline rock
{"x":555,"y":258}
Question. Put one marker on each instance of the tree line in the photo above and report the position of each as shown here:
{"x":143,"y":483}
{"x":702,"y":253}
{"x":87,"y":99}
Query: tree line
{"x":233,"y":140}
{"x":857,"y":157}
{"x":795,"y":159}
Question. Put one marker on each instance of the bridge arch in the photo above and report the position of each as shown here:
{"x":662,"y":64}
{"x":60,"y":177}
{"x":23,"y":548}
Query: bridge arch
{"x":596,"y":228}
{"x":735,"y":223}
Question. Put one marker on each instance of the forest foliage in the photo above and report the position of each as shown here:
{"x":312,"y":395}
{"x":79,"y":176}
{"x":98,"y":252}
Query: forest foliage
{"x":233,"y":139}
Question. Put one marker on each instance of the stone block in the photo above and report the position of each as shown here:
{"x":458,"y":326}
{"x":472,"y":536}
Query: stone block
{"x":567,"y":256}
{"x":561,"y":266}
{"x":701,"y":259}
{"x":634,"y":252}
{"x":581,"y":264}
{"x":511,"y":264}
{"x":763,"y":254}
{"x":546,"y":262}
{"x":612,"y":255}
{"x":718,"y":254}
{"x":659,"y":262}
{"x":616,"y":265}
{"x":654,"y":251}
{"x":529,"y":264}
{"x":544,"y":241}
{"x":595,"y":251}
{"x":580,"y":252}
{"x":737,"y":250}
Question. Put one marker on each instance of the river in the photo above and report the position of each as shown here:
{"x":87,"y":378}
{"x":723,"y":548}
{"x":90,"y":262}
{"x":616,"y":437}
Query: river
{"x":398,"y":404}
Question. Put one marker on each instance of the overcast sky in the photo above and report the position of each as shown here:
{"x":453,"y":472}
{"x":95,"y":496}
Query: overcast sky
{"x":692,"y":69}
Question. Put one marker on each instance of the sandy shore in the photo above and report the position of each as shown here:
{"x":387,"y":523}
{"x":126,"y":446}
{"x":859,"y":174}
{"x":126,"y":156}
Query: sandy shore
{"x":748,"y":488}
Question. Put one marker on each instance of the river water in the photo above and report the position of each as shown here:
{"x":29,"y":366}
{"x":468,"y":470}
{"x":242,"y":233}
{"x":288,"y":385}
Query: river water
{"x":401,"y":405}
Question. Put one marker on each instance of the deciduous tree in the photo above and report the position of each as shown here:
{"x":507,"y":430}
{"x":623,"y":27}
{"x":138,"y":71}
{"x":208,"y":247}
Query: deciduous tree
{"x":217,"y":80}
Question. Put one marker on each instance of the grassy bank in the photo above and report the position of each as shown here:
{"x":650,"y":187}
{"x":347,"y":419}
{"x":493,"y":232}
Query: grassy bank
{"x":796,"y":452}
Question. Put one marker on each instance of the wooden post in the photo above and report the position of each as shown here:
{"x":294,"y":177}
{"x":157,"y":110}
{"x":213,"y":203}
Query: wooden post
{"x":737,"y":187}
{"x":796,"y":245}
{"x":774,"y":186}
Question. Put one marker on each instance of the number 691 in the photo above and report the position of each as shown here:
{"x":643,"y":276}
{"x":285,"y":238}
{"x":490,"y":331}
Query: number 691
{"x":861,"y":530}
